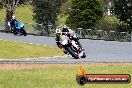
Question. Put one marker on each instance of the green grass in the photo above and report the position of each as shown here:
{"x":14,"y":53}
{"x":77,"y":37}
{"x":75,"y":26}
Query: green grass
{"x":2,"y":14}
{"x":62,"y":76}
{"x":25,"y":14}
{"x":12,"y":49}
{"x":22,"y":13}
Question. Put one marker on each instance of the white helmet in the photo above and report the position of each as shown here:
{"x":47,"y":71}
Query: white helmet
{"x":13,"y":17}
{"x":58,"y":30}
{"x":64,"y":26}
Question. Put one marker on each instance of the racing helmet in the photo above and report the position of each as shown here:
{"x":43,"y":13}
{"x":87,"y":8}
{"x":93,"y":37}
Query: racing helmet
{"x":13,"y":17}
{"x":64,"y":26}
{"x":65,"y":29}
{"x":58,"y":30}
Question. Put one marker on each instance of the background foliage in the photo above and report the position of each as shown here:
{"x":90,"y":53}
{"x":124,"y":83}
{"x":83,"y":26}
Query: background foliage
{"x":46,"y":11}
{"x":84,"y":13}
{"x":123,"y":10}
{"x":108,"y":23}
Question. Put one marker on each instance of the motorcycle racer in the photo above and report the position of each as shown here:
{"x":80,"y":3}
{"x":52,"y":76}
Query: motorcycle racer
{"x":58,"y":34}
{"x":67,"y":32}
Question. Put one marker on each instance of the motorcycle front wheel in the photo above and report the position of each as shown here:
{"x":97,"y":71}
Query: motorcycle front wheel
{"x":24,"y":33}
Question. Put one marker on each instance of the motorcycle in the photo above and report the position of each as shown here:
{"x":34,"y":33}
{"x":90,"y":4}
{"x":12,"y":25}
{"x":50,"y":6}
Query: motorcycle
{"x":68,"y":46}
{"x":19,"y":29}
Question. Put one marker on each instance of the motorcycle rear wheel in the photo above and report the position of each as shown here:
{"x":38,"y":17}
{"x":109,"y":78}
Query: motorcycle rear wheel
{"x":15,"y":32}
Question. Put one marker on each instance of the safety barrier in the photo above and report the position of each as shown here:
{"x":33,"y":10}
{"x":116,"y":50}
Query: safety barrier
{"x":39,"y":29}
{"x":103,"y":35}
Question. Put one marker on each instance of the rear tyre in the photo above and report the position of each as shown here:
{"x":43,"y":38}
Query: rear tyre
{"x":72,"y":53}
{"x":14,"y":32}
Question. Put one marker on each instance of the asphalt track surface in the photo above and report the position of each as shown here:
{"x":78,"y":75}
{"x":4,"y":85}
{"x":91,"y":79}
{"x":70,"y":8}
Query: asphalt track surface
{"x":96,"y":50}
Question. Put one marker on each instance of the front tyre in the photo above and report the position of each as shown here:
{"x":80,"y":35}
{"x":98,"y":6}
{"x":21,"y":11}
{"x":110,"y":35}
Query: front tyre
{"x":24,"y":33}
{"x":84,"y":55}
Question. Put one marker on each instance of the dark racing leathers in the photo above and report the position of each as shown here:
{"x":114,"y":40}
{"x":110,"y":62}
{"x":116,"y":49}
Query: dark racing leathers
{"x":12,"y":24}
{"x":58,"y":40}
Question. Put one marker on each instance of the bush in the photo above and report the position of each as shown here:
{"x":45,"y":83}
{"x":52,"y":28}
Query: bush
{"x":108,"y":23}
{"x":124,"y":27}
{"x":85,"y":13}
{"x":112,"y":23}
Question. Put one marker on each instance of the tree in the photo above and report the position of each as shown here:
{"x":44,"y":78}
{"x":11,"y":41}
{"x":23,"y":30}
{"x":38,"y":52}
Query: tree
{"x":123,"y":10}
{"x":46,"y":11}
{"x":108,"y":7}
{"x":108,"y":23}
{"x":10,"y":6}
{"x":85,"y":13}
